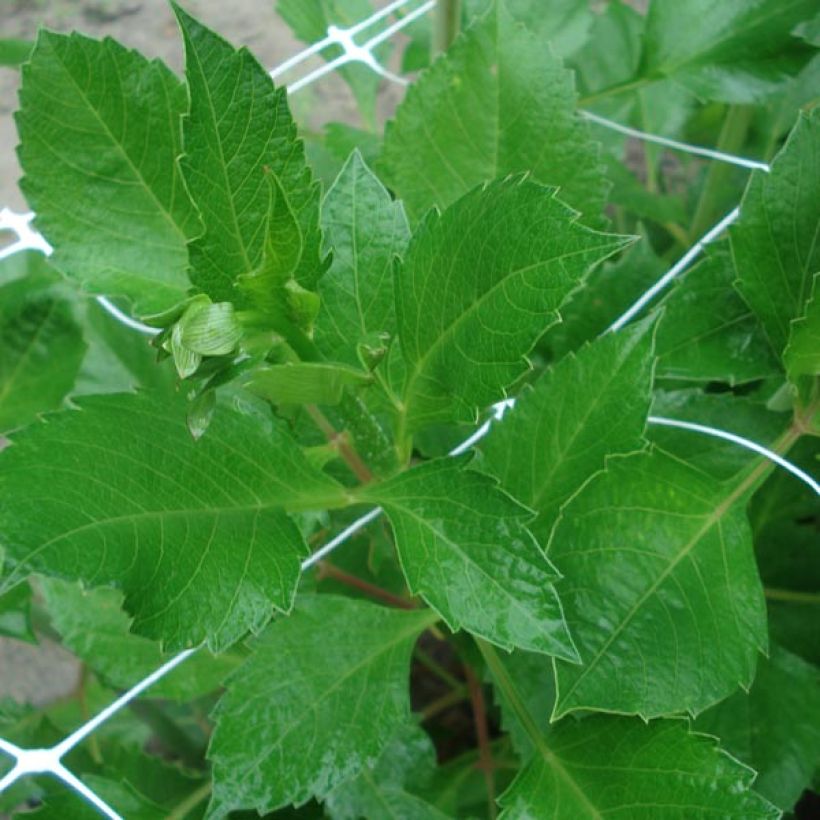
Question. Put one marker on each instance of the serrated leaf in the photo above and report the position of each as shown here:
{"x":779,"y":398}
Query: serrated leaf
{"x":603,"y":765}
{"x":497,"y":103}
{"x":802,"y":356}
{"x":465,"y":548}
{"x":231,"y":140}
{"x":735,"y":50}
{"x":582,"y":410}
{"x":774,"y":244}
{"x":366,"y":229}
{"x":100,"y":135}
{"x":94,"y":627}
{"x":707,"y":332}
{"x":382,"y":790}
{"x":775,"y":727}
{"x":41,"y":344}
{"x":195,"y":533}
{"x":318,"y":701}
{"x":480,"y":283}
{"x":661,"y":591}
{"x":305,"y":382}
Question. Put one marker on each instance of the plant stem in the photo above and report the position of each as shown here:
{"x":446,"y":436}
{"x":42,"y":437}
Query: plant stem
{"x":436,"y":668}
{"x":443,"y":703}
{"x":327,"y":570}
{"x":181,"y":811}
{"x":613,"y":90}
{"x":792,"y":596}
{"x":485,"y":755}
{"x":342,"y":444}
{"x":731,"y":140}
{"x":93,"y":745}
{"x":446,"y":25}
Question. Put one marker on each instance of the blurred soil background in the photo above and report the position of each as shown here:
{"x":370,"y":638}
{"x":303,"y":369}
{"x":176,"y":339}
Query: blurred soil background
{"x":39,"y":674}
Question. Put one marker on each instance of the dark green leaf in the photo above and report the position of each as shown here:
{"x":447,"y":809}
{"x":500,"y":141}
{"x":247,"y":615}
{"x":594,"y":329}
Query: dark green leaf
{"x":317,"y":702}
{"x":15,"y":614}
{"x":366,"y":230}
{"x":707,"y":332}
{"x":100,"y":137}
{"x":734,"y":50}
{"x":41,"y":345}
{"x":481,"y":282}
{"x":802,"y":356}
{"x":661,"y":590}
{"x":231,"y":140}
{"x":775,"y":243}
{"x":497,"y":103}
{"x":195,"y":533}
{"x":775,"y":727}
{"x":582,"y":410}
{"x":14,"y":52}
{"x":465,"y":548}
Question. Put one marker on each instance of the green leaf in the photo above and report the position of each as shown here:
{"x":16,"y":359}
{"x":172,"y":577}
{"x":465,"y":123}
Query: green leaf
{"x":774,"y":244}
{"x":305,"y":382}
{"x":734,"y":50}
{"x":497,"y":103}
{"x":465,"y":548}
{"x":802,"y":356}
{"x":661,"y":591}
{"x":317,"y":702}
{"x":580,"y":411}
{"x":93,"y":626}
{"x":15,"y":614}
{"x":41,"y":345}
{"x":480,"y":283}
{"x":775,"y":727}
{"x":309,"y":21}
{"x":366,"y":230}
{"x":100,"y":136}
{"x":210,"y":329}
{"x":14,"y":52}
{"x":232,"y":140}
{"x":603,"y":765}
{"x":707,"y":332}
{"x":382,"y":790}
{"x":194,"y":533}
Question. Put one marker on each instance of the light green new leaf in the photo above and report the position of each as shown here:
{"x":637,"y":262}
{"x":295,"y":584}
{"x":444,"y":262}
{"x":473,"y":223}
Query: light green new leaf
{"x":305,"y":382}
{"x":497,"y":103}
{"x":465,"y":548}
{"x":582,"y":410}
{"x":41,"y":344}
{"x":802,"y":356}
{"x":382,"y":790}
{"x":239,"y":129}
{"x":99,"y":140}
{"x":366,"y":229}
{"x":480,"y":283}
{"x":93,"y":626}
{"x":734,"y":50}
{"x":195,"y":533}
{"x":775,"y":244}
{"x":707,"y":332}
{"x":775,"y":727}
{"x":661,"y":591}
{"x":602,"y":766}
{"x":319,"y":700}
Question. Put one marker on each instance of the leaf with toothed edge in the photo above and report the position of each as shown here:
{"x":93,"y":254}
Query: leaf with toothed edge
{"x":196,"y":534}
{"x":465,"y":548}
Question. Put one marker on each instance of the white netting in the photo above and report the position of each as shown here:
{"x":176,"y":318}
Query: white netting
{"x":48,"y":761}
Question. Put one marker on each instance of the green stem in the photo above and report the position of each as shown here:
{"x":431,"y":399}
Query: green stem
{"x":443,"y":703}
{"x":436,"y":668}
{"x":614,"y":90}
{"x":183,"y":809}
{"x":731,"y":140}
{"x":446,"y":25}
{"x":485,"y":755}
{"x":792,"y":596}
